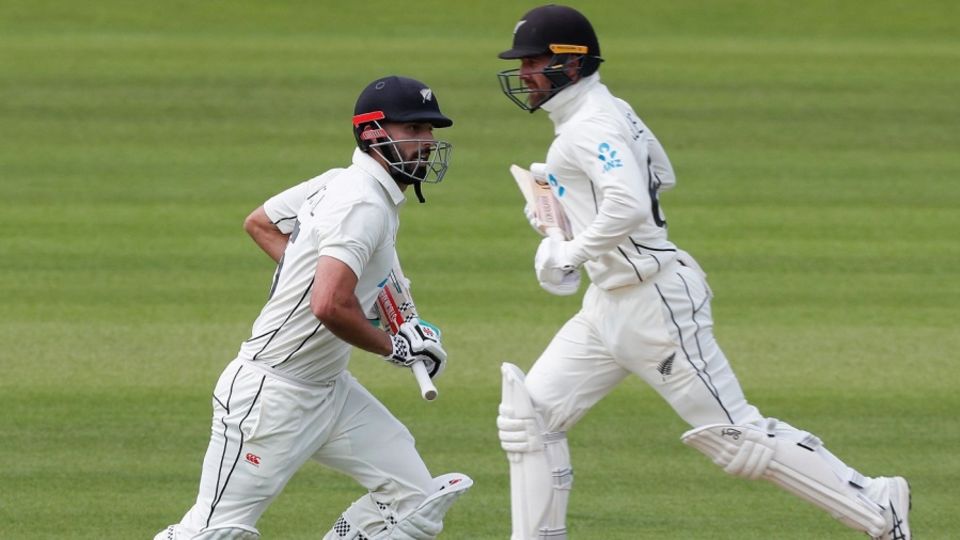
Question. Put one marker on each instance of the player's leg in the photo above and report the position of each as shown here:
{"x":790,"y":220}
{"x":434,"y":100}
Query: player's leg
{"x":572,"y":374}
{"x":403,"y":501}
{"x":804,"y":467}
{"x":256,"y":445}
{"x":227,"y":532}
{"x":705,"y":392}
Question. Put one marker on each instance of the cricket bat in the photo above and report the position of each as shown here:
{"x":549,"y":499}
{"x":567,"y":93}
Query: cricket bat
{"x":395,"y":307}
{"x":538,"y":195}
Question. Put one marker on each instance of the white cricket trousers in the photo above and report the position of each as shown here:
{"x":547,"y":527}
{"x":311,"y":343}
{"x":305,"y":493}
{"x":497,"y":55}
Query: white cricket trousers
{"x":265,"y":428}
{"x":660,"y":330}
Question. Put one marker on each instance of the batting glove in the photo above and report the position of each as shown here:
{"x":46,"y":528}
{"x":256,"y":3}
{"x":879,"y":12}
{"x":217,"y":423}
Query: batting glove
{"x":555,"y":270}
{"x":413,"y":342}
{"x":532,"y":219}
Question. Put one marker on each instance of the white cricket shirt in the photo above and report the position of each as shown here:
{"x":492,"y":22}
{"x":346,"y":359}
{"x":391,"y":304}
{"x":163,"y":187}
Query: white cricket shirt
{"x":606,"y":168}
{"x":351,"y":215}
{"x":283,"y":207}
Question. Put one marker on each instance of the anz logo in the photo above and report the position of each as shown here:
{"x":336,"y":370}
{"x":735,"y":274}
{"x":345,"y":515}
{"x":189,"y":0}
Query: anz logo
{"x":609,"y":157}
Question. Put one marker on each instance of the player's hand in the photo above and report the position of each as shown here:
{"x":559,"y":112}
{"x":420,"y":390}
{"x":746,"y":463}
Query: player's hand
{"x":555,"y":270}
{"x":415,"y":341}
{"x":569,"y":284}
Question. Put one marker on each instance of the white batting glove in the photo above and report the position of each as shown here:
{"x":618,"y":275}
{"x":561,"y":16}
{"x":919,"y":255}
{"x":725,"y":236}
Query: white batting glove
{"x":554,"y":266}
{"x":414,"y":342}
{"x":532,"y":219}
{"x":569,"y":284}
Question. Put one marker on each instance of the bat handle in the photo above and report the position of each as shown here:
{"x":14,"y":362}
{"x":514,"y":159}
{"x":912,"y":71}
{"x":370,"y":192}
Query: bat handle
{"x":427,"y":389}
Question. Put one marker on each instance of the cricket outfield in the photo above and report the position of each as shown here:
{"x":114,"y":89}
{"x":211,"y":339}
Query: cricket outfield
{"x":816,"y":149}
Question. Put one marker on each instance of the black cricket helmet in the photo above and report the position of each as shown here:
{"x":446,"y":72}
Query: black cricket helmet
{"x":401,"y":100}
{"x":560,"y":31}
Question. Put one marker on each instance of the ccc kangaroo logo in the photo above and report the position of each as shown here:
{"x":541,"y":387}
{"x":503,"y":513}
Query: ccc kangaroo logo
{"x":730,"y":433}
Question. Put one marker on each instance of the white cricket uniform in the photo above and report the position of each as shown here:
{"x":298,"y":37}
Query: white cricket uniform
{"x":287,"y":397}
{"x":283,"y":207}
{"x":647,"y":310}
{"x":644,"y":312}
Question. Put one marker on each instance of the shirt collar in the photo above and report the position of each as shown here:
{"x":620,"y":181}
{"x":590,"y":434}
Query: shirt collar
{"x":562,"y":106}
{"x":372,"y":167}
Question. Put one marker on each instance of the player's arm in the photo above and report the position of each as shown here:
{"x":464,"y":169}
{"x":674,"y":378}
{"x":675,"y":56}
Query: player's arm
{"x":615,"y":171}
{"x":624,"y":186}
{"x":270,"y":224}
{"x":334,"y":303}
{"x":265,"y":233}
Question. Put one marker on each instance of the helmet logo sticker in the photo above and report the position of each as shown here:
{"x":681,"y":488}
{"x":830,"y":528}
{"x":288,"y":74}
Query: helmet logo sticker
{"x":426,"y":94}
{"x":519,"y":24}
{"x":380,"y":85}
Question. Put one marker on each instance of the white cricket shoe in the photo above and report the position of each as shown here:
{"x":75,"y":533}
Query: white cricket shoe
{"x":895,"y":509}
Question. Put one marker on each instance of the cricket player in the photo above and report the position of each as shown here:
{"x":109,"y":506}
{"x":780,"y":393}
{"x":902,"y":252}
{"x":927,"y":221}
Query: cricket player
{"x":288,"y":396}
{"x":645,"y":312}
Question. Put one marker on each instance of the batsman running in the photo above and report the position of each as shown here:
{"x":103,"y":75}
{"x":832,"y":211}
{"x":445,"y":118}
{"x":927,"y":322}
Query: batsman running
{"x":288,"y":397}
{"x":646,"y":311}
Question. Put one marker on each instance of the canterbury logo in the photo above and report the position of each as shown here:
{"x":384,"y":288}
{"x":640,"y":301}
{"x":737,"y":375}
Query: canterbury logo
{"x":253,"y":459}
{"x":426,"y":94}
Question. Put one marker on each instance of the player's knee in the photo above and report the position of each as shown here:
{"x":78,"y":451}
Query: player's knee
{"x":527,"y":411}
{"x":170,"y":533}
{"x":426,"y":521}
{"x":344,"y":529}
{"x":740,"y":450}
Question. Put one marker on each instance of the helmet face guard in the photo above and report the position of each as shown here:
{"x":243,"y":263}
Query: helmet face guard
{"x":401,"y":100}
{"x":560,"y":31}
{"x":429,"y":164}
{"x":557,"y":72}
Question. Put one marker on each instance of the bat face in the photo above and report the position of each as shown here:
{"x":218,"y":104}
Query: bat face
{"x":547,"y":207}
{"x":538,"y":196}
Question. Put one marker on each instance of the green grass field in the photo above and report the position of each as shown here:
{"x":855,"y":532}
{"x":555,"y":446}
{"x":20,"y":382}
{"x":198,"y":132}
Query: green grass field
{"x":818,"y":153}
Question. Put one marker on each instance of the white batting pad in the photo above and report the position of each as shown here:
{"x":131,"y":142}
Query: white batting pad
{"x":426,"y":522}
{"x":170,"y":533}
{"x":537,"y":505}
{"x":754,"y":452}
{"x":229,"y":532}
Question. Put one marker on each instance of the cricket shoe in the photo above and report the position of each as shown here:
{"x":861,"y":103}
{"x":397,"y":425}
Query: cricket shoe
{"x":895,"y":509}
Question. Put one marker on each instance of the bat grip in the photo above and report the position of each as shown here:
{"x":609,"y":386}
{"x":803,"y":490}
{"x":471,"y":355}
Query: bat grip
{"x":427,"y":390}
